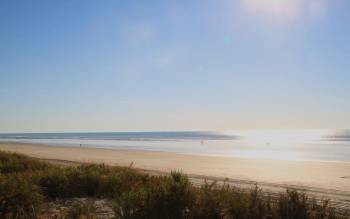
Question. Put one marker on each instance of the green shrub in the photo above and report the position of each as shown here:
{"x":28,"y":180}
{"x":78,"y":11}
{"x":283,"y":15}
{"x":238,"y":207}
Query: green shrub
{"x":130,"y":205}
{"x":293,"y":205}
{"x":166,"y":197}
{"x":297,"y":205}
{"x":235,"y":203}
{"x":19,"y":197}
{"x":88,"y":181}
{"x":12,"y":162}
{"x":169,"y":197}
{"x":55,"y":183}
{"x":208,"y":203}
{"x":258,"y":205}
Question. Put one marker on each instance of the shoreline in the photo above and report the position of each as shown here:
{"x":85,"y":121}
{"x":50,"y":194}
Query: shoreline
{"x":346,"y":162}
{"x":320,"y":179}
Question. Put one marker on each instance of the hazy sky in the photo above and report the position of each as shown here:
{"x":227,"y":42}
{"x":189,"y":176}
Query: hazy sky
{"x":174,"y":65}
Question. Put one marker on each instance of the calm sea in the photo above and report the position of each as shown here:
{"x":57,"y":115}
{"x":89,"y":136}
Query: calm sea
{"x":325,"y":145}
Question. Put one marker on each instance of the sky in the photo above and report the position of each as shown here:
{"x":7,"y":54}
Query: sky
{"x":174,"y":65}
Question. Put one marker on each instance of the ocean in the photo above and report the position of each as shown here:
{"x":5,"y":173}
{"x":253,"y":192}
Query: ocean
{"x":306,"y":145}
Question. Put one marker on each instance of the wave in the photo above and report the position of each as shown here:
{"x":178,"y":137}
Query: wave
{"x":124,"y":136}
{"x":338,"y":135}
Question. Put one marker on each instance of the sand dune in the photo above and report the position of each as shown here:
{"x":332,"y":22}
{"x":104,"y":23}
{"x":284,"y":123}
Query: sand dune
{"x":323,"y":179}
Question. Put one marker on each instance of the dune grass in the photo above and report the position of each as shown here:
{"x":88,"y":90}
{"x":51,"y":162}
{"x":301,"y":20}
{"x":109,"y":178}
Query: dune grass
{"x":81,"y":211}
{"x":27,"y":183}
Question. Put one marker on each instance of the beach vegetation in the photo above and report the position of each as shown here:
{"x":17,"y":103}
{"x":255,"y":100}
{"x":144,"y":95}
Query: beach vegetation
{"x":82,"y":210}
{"x":27,"y":184}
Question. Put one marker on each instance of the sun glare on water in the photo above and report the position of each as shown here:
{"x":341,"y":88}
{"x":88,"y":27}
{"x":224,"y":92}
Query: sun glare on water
{"x":282,"y":137}
{"x":276,"y":144}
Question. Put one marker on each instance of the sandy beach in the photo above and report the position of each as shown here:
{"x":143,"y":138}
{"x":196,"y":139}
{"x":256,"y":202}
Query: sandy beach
{"x":329,"y":180}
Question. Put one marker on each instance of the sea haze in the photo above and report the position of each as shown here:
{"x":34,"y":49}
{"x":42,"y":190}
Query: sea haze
{"x":324,"y":145}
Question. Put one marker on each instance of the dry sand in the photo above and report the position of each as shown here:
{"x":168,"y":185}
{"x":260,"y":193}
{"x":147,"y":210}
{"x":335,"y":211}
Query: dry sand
{"x":323,"y":179}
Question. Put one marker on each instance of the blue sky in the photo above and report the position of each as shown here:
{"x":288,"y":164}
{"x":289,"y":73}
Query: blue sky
{"x":174,"y":65}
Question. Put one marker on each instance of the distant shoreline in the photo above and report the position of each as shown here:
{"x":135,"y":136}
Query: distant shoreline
{"x":323,"y":180}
